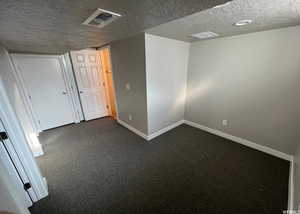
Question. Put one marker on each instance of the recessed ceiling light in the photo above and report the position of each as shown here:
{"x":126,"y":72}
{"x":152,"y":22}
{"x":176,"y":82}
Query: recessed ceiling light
{"x":205,"y":35}
{"x":243,"y":22}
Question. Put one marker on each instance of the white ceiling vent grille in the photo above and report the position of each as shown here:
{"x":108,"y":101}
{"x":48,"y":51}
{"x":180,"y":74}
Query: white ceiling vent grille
{"x":205,"y":35}
{"x":100,"y":18}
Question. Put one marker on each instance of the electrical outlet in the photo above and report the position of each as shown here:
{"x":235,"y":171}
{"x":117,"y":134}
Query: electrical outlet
{"x":127,"y":86}
{"x":224,"y":122}
{"x":130,"y":117}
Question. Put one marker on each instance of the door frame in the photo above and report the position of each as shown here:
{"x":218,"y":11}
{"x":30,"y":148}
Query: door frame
{"x":12,"y":165}
{"x":113,"y":82}
{"x":72,"y":85}
{"x":19,"y":149}
{"x":84,"y":117}
{"x":67,"y":78}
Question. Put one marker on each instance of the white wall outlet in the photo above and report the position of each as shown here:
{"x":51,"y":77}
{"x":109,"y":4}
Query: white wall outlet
{"x":224,"y":122}
{"x":130,"y":117}
{"x":127,"y":86}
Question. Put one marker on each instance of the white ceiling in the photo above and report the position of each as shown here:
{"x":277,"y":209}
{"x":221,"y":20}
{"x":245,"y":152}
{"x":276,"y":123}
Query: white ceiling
{"x":266,"y":14}
{"x":54,"y":26}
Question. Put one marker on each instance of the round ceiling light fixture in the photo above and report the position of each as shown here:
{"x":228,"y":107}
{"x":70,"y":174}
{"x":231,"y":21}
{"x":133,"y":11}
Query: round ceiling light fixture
{"x":243,"y":22}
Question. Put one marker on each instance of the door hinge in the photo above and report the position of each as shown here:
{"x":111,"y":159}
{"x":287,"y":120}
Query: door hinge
{"x":27,"y":186}
{"x":3,"y":136}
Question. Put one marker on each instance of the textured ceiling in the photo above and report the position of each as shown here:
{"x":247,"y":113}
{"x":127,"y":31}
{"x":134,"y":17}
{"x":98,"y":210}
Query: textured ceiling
{"x":54,"y":26}
{"x":266,"y":14}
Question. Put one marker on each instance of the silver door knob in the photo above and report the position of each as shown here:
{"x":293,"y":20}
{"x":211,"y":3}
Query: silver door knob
{"x":81,"y":92}
{"x":64,"y":92}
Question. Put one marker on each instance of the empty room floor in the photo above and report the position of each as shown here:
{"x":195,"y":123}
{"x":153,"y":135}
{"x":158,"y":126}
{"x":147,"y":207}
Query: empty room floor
{"x":101,"y":167}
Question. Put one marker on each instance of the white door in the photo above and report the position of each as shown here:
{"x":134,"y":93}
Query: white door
{"x":45,"y":86}
{"x":10,"y":163}
{"x":88,"y":72}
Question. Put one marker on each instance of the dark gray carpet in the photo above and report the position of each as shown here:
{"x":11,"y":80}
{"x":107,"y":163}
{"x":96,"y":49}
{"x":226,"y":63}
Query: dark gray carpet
{"x":101,"y":167}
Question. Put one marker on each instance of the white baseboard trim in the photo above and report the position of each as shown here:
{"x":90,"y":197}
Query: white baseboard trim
{"x":151,"y":136}
{"x":38,"y":151}
{"x":164,"y":130}
{"x":232,"y":138}
{"x":132,"y":129}
{"x":46,"y":183}
{"x":242,"y":141}
{"x":291,"y":187}
{"x":213,"y":131}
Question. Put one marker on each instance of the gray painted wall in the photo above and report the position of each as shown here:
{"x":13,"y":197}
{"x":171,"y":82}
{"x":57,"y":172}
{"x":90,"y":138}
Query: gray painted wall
{"x":297,"y":179}
{"x":128,"y":64}
{"x":166,"y":68}
{"x":251,"y":80}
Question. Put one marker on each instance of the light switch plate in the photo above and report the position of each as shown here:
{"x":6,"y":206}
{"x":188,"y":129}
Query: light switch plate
{"x":127,"y":86}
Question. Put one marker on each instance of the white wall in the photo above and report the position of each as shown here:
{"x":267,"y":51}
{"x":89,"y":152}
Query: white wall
{"x":251,"y":80}
{"x":10,"y":98}
{"x":9,"y":195}
{"x":13,"y":92}
{"x":128,"y":67}
{"x":166,"y":71}
{"x":156,"y":69}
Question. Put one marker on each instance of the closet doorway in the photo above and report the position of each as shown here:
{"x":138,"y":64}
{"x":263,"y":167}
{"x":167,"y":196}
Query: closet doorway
{"x":94,"y":79}
{"x":108,"y":78}
{"x":44,"y":84}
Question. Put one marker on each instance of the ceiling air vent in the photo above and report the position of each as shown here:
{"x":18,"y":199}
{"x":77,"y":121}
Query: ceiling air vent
{"x":100,"y":18}
{"x":205,"y":35}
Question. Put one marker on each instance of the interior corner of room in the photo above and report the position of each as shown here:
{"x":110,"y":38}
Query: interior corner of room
{"x":194,"y":109}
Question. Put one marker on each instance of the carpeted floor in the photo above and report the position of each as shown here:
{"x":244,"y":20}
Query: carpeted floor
{"x":101,"y":167}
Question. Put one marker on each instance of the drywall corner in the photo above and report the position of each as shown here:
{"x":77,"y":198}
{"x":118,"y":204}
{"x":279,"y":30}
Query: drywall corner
{"x":128,"y":64}
{"x":166,"y":75}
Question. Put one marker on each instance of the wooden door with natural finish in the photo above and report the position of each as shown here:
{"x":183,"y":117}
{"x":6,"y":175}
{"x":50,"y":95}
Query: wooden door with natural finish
{"x":107,"y":71}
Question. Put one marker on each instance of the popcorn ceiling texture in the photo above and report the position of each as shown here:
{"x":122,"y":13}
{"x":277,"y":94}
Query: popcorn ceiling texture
{"x":54,"y":26}
{"x":266,"y":15}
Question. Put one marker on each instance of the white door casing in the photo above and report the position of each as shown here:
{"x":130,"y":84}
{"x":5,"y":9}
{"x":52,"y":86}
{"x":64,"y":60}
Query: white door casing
{"x":88,"y":73}
{"x":17,"y":175}
{"x":46,"y":89}
{"x":17,"y":146}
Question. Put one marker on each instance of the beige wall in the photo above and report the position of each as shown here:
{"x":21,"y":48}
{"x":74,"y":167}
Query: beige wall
{"x":251,"y":80}
{"x":128,"y":67}
{"x":166,"y":68}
